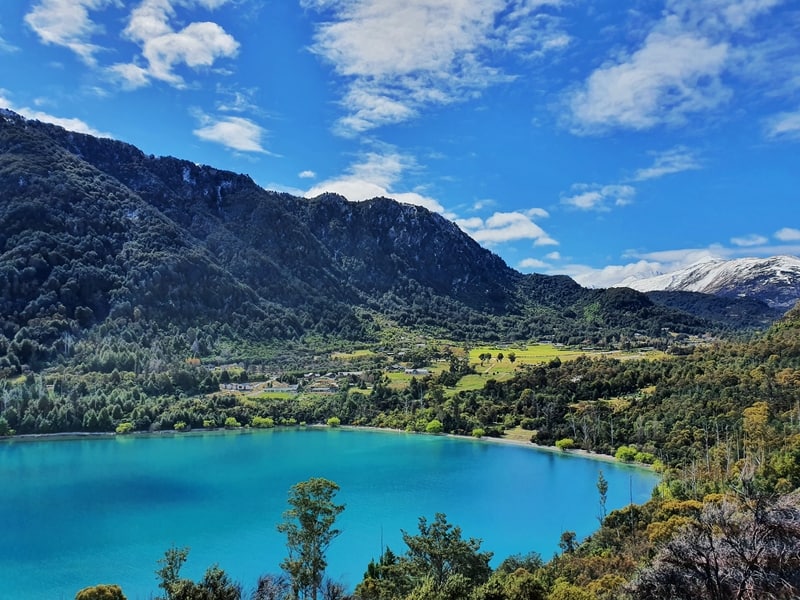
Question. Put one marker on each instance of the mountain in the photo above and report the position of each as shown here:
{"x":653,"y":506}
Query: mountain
{"x":775,"y":280}
{"x":99,"y":241}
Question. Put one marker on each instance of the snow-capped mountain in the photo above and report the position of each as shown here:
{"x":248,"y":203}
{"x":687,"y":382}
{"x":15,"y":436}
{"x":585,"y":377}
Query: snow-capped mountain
{"x":774,"y":280}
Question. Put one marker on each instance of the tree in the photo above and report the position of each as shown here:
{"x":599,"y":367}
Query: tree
{"x":309,"y":530}
{"x":744,"y":549}
{"x":170,"y":570}
{"x":101,"y":592}
{"x":568,"y":542}
{"x":271,"y":587}
{"x":602,"y":489}
{"x":439,"y":552}
{"x":216,"y":585}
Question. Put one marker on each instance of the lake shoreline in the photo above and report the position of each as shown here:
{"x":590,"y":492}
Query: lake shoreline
{"x":516,"y":443}
{"x":78,"y":435}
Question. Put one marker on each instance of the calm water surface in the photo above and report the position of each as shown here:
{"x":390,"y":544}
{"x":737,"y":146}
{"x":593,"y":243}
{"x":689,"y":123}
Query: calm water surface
{"x":80,"y":512}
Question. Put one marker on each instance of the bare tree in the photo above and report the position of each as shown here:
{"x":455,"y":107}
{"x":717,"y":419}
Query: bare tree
{"x":745,"y":549}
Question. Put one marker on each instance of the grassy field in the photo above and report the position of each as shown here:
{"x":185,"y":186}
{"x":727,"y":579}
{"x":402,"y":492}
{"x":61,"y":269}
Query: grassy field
{"x":526,"y":355}
{"x":273,"y":395}
{"x":355,"y":354}
{"x":518,"y":434}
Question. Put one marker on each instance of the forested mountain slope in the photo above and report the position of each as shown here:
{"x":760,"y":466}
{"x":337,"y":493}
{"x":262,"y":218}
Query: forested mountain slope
{"x":93,"y":231}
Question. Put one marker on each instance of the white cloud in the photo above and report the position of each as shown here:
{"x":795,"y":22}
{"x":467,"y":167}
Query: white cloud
{"x":236,"y":133}
{"x":483,"y":204}
{"x":598,"y":197}
{"x":401,"y":57}
{"x":196,"y":45}
{"x":132,"y":76}
{"x":784,"y":126}
{"x":691,"y":62}
{"x":648,"y":264}
{"x":788,"y":234}
{"x":237,"y":101}
{"x":532,"y":263}
{"x":553,"y":256}
{"x":376,"y":176}
{"x":69,"y":123}
{"x":611,"y":275}
{"x":307,"y":174}
{"x":671,"y":161}
{"x":715,"y":16}
{"x":5,"y":46}
{"x":748,"y":241}
{"x":67,"y":23}
{"x":506,"y":227}
{"x":644,"y":265}
{"x":669,"y":78}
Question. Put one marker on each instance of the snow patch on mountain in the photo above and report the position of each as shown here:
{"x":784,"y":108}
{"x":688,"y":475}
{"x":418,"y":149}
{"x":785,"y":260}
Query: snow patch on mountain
{"x":774,"y":280}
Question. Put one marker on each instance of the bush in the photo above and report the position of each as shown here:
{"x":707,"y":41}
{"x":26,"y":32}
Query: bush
{"x":123,"y":428}
{"x":231,"y":423}
{"x":565,"y":443}
{"x":334,"y":422}
{"x":645,"y":457}
{"x":101,"y":592}
{"x":180,"y":426}
{"x":263,"y":422}
{"x":626,"y":453}
{"x":434,"y":426}
{"x":478,"y":432}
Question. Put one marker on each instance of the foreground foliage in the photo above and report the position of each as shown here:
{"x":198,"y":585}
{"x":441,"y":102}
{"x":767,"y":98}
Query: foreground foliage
{"x":309,"y":530}
{"x":744,"y":544}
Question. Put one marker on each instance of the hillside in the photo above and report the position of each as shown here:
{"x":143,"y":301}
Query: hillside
{"x":94,"y":233}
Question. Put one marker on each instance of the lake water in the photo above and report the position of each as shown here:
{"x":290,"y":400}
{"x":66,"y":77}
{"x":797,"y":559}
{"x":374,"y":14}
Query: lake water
{"x":75,"y":513}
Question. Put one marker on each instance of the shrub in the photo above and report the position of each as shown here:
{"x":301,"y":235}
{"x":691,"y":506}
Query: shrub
{"x":263,"y":422}
{"x":180,"y":426}
{"x":334,"y":422}
{"x":626,"y":453}
{"x":565,"y":443}
{"x":478,"y":432}
{"x":101,"y":592}
{"x":434,"y":426}
{"x":123,"y":428}
{"x":231,"y":422}
{"x":645,"y":457}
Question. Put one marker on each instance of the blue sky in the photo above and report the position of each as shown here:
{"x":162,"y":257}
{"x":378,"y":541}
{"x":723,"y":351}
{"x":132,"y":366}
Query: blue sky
{"x":601,"y":139}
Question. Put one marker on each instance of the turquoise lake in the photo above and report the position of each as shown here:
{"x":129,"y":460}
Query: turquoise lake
{"x":75,"y":513}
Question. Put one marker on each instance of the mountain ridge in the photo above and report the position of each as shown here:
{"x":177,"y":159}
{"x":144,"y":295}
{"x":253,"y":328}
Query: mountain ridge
{"x":774,"y":280}
{"x":94,"y":231}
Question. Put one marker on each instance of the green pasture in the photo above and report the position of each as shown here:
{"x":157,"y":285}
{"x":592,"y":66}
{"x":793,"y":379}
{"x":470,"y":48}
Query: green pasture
{"x":273,"y":396}
{"x":525,"y":355}
{"x":352,"y":355}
